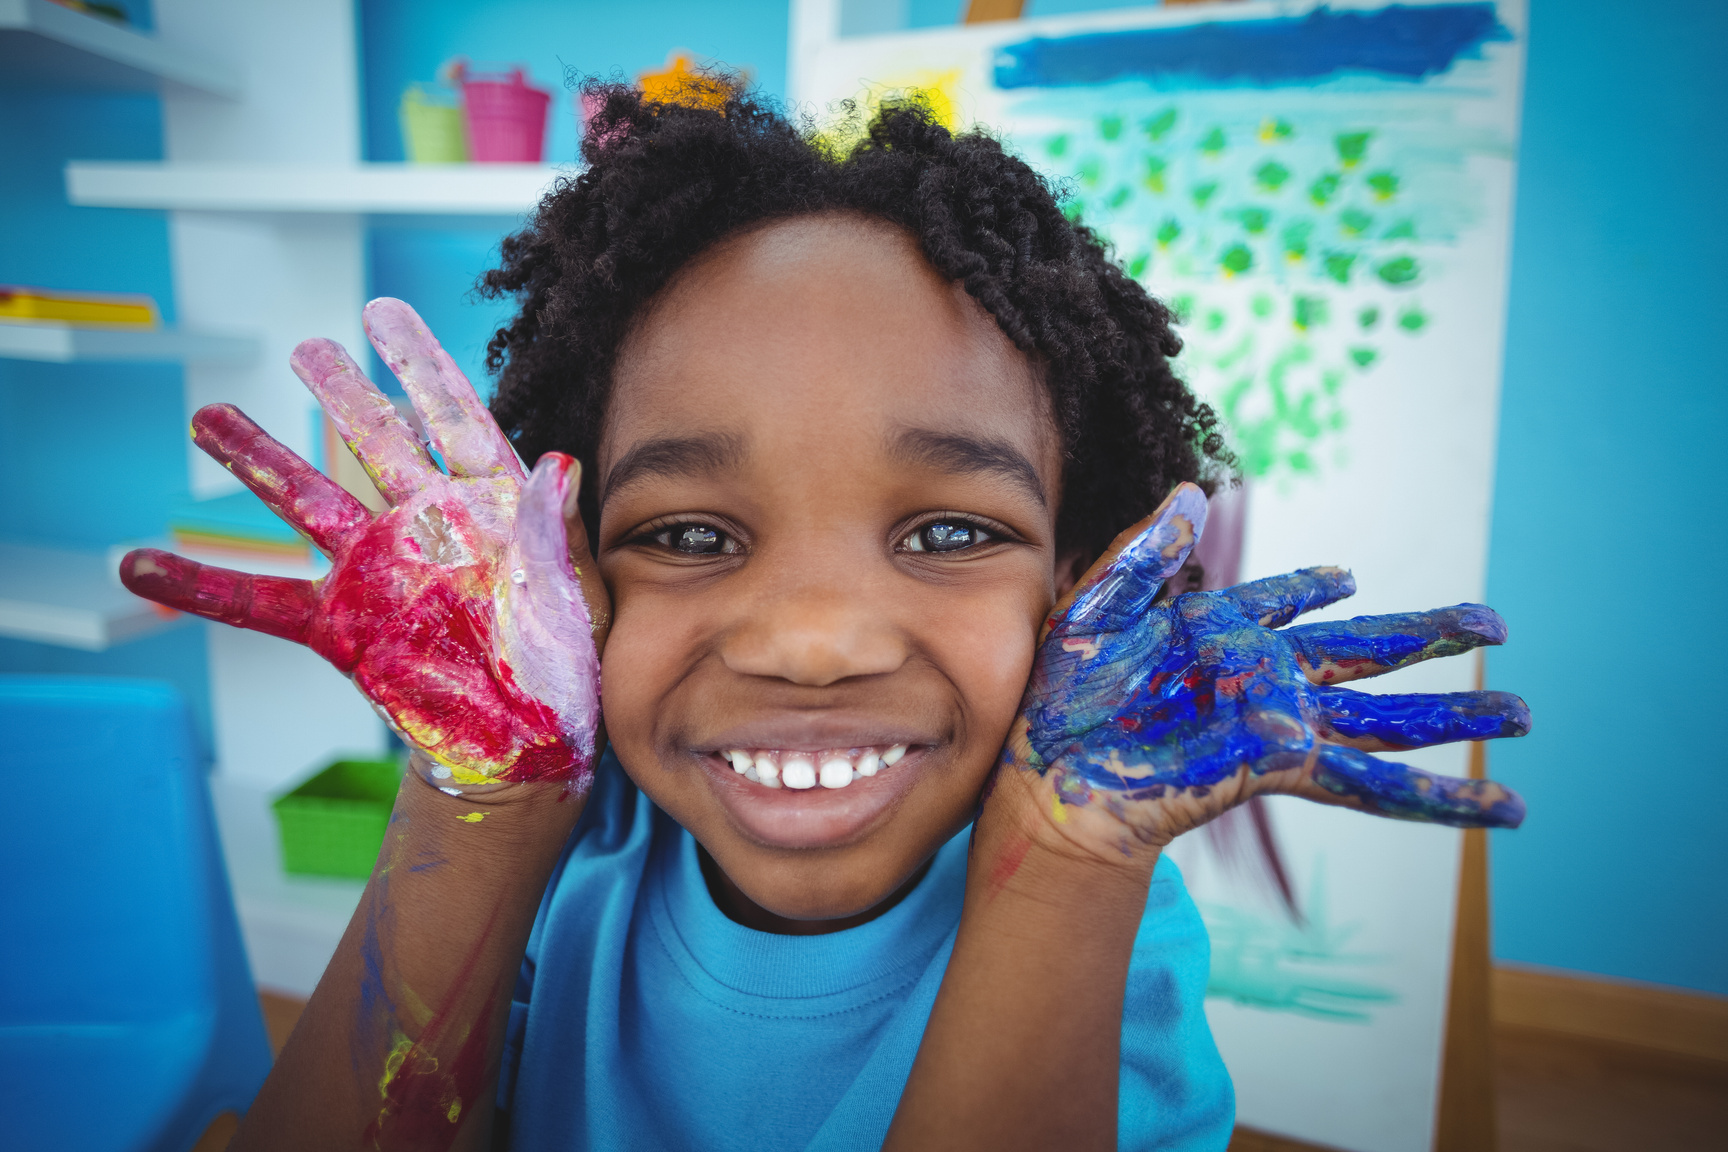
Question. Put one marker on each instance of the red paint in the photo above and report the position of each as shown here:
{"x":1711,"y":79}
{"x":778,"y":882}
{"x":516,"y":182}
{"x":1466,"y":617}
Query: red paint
{"x":1008,"y":864}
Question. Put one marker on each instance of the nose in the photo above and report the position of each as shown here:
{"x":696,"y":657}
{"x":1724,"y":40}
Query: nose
{"x":813,"y":634}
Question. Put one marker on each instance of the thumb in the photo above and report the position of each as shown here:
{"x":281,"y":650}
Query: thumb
{"x":1122,"y":583}
{"x":594,"y":592}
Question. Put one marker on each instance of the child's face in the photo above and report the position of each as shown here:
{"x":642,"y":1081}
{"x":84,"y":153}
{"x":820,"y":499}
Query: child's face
{"x":828,"y":497}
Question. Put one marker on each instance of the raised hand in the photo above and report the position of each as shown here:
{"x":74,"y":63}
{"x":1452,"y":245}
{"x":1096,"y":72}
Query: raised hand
{"x":459,"y":612}
{"x":1147,"y":719}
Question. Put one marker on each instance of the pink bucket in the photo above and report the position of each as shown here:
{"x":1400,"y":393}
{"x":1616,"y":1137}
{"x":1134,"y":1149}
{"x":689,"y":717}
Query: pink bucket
{"x":506,"y":118}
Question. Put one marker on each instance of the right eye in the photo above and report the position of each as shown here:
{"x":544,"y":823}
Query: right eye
{"x":694,"y":539}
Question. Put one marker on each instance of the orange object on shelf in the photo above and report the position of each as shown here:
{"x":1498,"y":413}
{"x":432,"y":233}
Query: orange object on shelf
{"x":20,"y":305}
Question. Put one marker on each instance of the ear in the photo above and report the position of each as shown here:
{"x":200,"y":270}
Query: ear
{"x":1070,"y":566}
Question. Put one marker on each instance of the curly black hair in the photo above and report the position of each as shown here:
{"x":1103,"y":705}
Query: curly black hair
{"x":665,"y":180}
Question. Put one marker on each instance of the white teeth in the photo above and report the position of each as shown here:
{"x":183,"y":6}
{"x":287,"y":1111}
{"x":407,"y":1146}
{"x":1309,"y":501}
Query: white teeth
{"x":836,"y":773}
{"x":798,"y":772}
{"x":835,"y":768}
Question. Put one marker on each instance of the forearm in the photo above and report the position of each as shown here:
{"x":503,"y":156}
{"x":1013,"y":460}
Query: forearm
{"x":399,"y":1046}
{"x":1023,"y":1047}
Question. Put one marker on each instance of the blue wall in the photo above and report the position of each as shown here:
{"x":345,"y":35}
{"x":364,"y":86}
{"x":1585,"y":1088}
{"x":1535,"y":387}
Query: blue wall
{"x":1609,"y":508}
{"x":95,"y":453}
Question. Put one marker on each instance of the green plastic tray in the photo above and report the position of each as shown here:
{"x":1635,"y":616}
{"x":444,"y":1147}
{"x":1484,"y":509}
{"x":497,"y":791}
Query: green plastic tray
{"x":333,"y":824}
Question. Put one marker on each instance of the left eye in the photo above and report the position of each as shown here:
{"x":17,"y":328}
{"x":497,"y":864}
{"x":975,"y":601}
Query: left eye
{"x":946,"y":536}
{"x":695,"y":540}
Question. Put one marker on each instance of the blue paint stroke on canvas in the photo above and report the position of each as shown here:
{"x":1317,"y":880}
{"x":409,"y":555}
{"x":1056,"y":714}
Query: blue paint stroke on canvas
{"x":1397,"y":42}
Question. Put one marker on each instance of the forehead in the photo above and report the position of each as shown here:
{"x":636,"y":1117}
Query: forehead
{"x":832,"y":329}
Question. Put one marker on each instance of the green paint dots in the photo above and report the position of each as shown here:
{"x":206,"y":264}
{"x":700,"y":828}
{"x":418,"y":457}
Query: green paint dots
{"x":1295,"y":238}
{"x":1073,"y":209}
{"x":1271,"y":175}
{"x":1203,"y":192}
{"x":1236,"y":259}
{"x":1330,"y":381}
{"x":1413,"y":320}
{"x":1337,"y":265}
{"x":1368,"y":317}
{"x":1182,"y":307}
{"x":1253,"y":220}
{"x":1398,"y":271}
{"x":1272,"y":131}
{"x":1154,"y":178}
{"x":1310,"y":311}
{"x":1214,"y":320}
{"x":1057,"y":145}
{"x":1137,"y":266}
{"x":1168,"y":231}
{"x":1110,"y":127}
{"x":1384,"y":184}
{"x":1354,"y":221}
{"x":1090,"y":173}
{"x":1402,"y":230}
{"x":1156,"y":127}
{"x":1261,"y":306}
{"x":1324,"y":188}
{"x":1352,"y":147}
{"x":1364,"y":357}
{"x":1213,"y":142}
{"x":1119,"y":197}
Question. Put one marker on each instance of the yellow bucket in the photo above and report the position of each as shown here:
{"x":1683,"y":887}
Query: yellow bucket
{"x":431,"y":128}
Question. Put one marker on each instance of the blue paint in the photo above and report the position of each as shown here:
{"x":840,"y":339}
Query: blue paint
{"x":1397,"y":43}
{"x":1134,"y":701}
{"x":1370,"y":645}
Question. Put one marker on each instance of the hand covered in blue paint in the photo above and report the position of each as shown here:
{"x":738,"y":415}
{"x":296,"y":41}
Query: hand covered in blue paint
{"x":1145,"y":719}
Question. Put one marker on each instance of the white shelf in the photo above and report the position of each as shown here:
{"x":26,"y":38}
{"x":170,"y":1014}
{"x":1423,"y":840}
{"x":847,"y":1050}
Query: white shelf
{"x":291,"y":924}
{"x":71,"y":598}
{"x":45,"y":45}
{"x":65,"y":344}
{"x":368,"y":189}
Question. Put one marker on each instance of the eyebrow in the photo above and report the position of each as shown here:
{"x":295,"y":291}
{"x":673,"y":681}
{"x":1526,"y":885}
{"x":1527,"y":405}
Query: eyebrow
{"x":960,"y":454}
{"x":674,"y":456}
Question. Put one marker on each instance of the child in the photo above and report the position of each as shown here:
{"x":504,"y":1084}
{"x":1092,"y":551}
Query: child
{"x":851,"y":421}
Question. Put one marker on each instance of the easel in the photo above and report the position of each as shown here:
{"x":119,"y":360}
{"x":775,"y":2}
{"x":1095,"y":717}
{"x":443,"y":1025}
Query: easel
{"x":1465,"y":1120}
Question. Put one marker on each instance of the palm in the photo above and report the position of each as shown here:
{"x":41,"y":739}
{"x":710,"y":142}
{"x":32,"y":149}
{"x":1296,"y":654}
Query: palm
{"x":456,"y":612}
{"x":1161,"y":715}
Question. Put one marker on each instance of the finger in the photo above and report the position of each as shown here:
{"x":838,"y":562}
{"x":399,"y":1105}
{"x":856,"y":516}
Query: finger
{"x":1338,"y":650}
{"x":1383,"y":723}
{"x":460,"y":427}
{"x":1354,"y":779}
{"x":367,"y":422}
{"x":294,"y":490}
{"x":1121,"y":585}
{"x":1277,"y":600}
{"x":274,"y":605}
{"x":544,"y":622}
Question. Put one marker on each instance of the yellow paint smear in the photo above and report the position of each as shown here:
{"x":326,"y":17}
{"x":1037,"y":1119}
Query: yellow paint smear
{"x":472,"y":817}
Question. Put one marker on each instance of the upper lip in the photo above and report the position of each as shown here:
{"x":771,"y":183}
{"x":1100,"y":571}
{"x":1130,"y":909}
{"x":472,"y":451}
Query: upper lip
{"x":815,"y":733}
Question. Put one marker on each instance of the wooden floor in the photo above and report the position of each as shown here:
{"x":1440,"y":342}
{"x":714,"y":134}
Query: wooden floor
{"x":1556,"y":1094}
{"x":1570,"y":1094}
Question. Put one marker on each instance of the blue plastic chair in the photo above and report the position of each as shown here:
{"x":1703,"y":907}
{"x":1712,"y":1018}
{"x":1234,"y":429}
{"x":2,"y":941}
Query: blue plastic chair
{"x":128,"y":1019}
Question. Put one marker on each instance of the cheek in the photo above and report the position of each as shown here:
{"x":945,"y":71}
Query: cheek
{"x":986,"y":648}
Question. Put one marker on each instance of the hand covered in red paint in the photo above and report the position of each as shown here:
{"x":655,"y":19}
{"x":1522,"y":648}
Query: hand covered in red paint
{"x":463,"y":613}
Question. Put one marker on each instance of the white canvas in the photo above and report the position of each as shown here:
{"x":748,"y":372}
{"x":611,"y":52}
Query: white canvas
{"x":1343,"y":309}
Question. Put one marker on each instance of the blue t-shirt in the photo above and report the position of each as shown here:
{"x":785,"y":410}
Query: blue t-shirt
{"x":645,"y":1018}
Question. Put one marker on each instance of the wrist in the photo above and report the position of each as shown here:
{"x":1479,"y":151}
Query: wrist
{"x":509,"y":816}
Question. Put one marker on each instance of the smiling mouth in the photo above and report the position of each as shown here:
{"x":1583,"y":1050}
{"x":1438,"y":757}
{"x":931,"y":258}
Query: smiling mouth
{"x":831,"y":767}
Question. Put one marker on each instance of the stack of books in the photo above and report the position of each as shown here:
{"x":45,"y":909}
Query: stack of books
{"x":20,"y":305}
